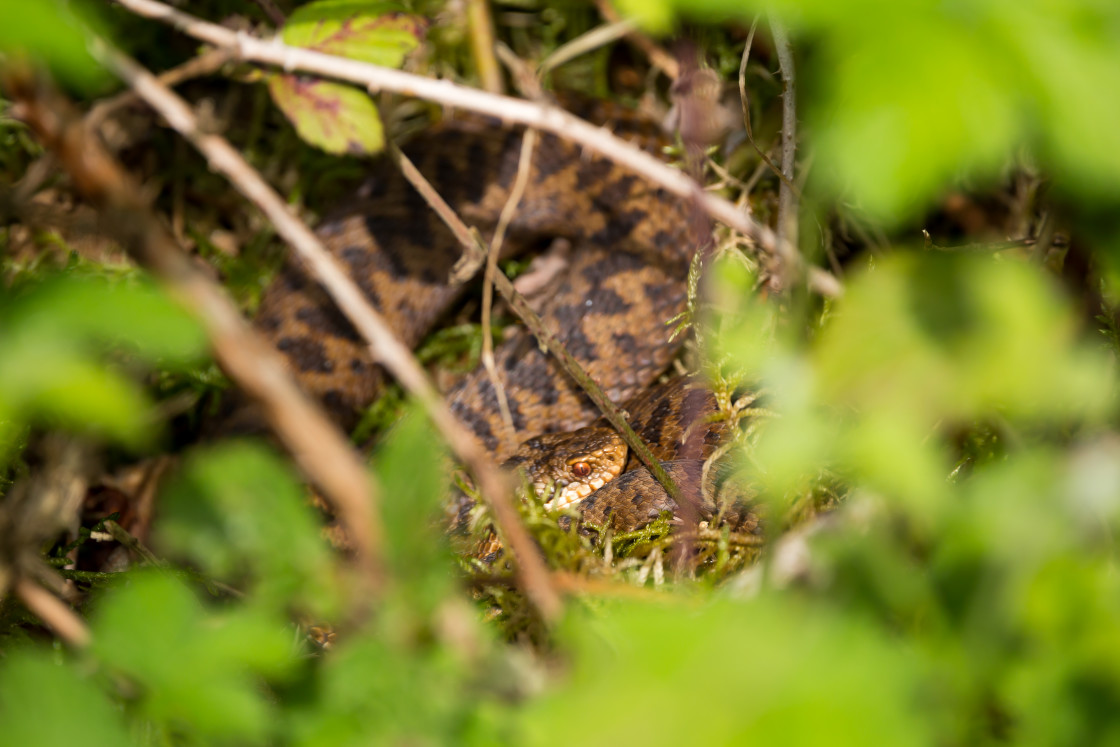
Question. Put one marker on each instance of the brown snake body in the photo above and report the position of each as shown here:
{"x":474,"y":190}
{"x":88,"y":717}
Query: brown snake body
{"x":625,"y":281}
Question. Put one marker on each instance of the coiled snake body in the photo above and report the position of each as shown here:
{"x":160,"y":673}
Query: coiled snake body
{"x":631,"y":251}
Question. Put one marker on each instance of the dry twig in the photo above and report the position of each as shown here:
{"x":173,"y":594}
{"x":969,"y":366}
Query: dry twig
{"x":597,"y":37}
{"x":208,"y":62}
{"x":54,"y":612}
{"x":744,"y":100}
{"x":508,"y":210}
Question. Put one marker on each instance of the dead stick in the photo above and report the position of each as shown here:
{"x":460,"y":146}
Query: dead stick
{"x":53,"y":612}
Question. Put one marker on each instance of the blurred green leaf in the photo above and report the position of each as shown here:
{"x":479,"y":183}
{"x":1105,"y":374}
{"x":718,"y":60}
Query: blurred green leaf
{"x":237,"y":511}
{"x":745,"y":326}
{"x":198,"y":671}
{"x":55,"y":336}
{"x":1066,"y":684}
{"x":893,"y":130}
{"x":375,"y":690}
{"x":414,"y":472}
{"x":47,"y":702}
{"x":953,"y":337}
{"x":96,"y":312}
{"x":771,"y":671}
{"x":54,"y":31}
{"x":50,"y":383}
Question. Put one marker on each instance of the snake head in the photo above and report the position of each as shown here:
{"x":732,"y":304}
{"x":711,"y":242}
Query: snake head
{"x":565,"y":468}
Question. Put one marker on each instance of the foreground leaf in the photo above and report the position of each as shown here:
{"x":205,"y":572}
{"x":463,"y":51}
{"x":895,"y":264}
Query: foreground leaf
{"x":50,"y":703}
{"x":196,"y":671}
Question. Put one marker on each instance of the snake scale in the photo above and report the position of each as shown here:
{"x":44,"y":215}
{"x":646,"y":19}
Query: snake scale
{"x":626,"y":279}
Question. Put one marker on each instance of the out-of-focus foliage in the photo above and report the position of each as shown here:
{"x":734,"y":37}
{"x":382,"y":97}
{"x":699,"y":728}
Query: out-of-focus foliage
{"x":663,"y":674}
{"x":55,"y":32}
{"x":46,"y":701}
{"x":920,"y":343}
{"x":53,"y":363}
{"x":334,"y":116}
{"x":193,"y":669}
{"x":229,"y":507}
{"x":912,"y":95}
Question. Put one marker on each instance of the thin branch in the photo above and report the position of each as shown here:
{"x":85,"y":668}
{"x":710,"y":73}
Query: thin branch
{"x":518,"y":111}
{"x":525,"y":79}
{"x":787,"y":195}
{"x":320,"y":449}
{"x":995,"y":246}
{"x":520,"y":182}
{"x":206,"y":63}
{"x":125,"y":538}
{"x":384,"y":345}
{"x":744,"y":101}
{"x":55,"y":613}
{"x":588,"y":42}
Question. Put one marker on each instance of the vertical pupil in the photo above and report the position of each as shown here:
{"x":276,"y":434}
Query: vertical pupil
{"x":581,"y":469}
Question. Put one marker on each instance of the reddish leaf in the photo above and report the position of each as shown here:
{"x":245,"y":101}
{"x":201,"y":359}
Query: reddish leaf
{"x":335,"y":117}
{"x":376,"y":32}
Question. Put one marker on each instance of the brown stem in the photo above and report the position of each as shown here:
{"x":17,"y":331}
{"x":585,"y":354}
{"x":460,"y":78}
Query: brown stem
{"x":55,"y":613}
{"x":787,"y":195}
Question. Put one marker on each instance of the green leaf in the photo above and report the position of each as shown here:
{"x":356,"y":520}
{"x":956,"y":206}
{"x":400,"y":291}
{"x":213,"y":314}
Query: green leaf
{"x":414,"y":474}
{"x":55,"y":335}
{"x":56,"y":32}
{"x":237,"y":511}
{"x":335,"y":117}
{"x":375,"y":32}
{"x":375,"y":689}
{"x":47,"y":702}
{"x":49,"y":382}
{"x":889,"y":128}
{"x":96,"y":312}
{"x":772,"y":671}
{"x":196,"y":671}
{"x":973,"y":335}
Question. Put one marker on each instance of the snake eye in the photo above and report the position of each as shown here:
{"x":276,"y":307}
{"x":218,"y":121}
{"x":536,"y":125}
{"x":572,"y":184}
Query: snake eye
{"x":581,"y":469}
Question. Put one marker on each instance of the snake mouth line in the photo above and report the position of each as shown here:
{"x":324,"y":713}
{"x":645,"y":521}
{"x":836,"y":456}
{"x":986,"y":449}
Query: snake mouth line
{"x":571,"y":494}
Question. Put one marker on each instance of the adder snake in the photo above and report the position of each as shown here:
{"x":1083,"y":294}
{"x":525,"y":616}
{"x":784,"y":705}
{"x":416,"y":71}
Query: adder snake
{"x":626,"y":279}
